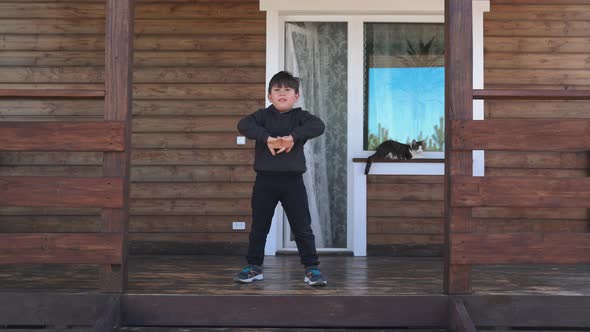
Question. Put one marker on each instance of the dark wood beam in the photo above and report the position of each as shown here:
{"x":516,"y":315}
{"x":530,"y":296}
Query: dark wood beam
{"x":62,"y":136}
{"x":522,"y":134}
{"x":118,"y":103}
{"x":59,"y":191}
{"x":459,"y":320}
{"x":499,"y":94}
{"x":285,"y":311}
{"x":51,"y":309}
{"x":552,"y":312}
{"x":458,"y":106}
{"x":512,"y":191}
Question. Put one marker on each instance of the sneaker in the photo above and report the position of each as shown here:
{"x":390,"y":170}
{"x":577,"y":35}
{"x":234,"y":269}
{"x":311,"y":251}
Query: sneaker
{"x":249,"y":274}
{"x":313,"y":276}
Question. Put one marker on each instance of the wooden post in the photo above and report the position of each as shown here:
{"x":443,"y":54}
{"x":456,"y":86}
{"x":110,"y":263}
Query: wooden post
{"x":118,"y":94}
{"x":458,"y":106}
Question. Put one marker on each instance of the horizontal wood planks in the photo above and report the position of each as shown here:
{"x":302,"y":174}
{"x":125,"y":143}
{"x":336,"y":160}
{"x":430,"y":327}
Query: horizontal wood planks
{"x":61,"y":248}
{"x":62,"y":136}
{"x":521,"y":192}
{"x":534,"y":46}
{"x":512,"y":94}
{"x":95,"y":9}
{"x":44,"y":93}
{"x":531,"y":48}
{"x":523,"y":248}
{"x":404,"y":215}
{"x":65,"y":87}
{"x":83,"y":74}
{"x":500,"y":109}
{"x":199,"y":68}
{"x":522,"y":134}
{"x":58,"y":191}
{"x":142,"y":25}
{"x":536,"y":43}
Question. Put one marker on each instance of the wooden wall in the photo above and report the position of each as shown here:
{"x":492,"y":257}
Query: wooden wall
{"x":56,"y":45}
{"x":529,"y":44}
{"x":405,"y":215}
{"x":536,"y":45}
{"x":199,"y":66}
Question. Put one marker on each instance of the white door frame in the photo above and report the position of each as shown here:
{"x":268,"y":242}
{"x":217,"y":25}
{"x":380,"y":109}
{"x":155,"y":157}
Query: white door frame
{"x":355,"y":13}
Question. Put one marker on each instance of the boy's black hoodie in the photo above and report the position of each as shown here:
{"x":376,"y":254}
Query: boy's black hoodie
{"x":263,"y":123}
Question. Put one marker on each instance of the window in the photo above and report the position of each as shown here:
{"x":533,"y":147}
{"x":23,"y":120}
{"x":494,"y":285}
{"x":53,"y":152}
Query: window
{"x":377,"y":69}
{"x":404,"y":84}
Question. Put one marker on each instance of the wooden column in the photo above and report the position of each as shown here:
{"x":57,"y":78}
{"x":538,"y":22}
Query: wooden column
{"x":118,"y":94}
{"x":458,"y":106}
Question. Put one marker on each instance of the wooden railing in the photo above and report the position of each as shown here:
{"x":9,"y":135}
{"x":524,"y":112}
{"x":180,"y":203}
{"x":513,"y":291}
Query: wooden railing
{"x":108,"y":248}
{"x":51,"y":93}
{"x":464,"y":192}
{"x":43,"y":191}
{"x":468,"y":192}
{"x":531,"y":94}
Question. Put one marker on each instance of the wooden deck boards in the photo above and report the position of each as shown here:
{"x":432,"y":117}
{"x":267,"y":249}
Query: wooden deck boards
{"x":284,"y":276}
{"x":211,"y":275}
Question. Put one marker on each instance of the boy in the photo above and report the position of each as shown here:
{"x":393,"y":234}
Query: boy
{"x":280,"y":132}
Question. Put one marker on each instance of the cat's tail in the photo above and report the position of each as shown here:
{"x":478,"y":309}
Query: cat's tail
{"x":369,"y":162}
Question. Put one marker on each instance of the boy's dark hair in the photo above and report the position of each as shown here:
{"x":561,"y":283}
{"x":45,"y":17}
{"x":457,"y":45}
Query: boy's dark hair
{"x":282,"y":79}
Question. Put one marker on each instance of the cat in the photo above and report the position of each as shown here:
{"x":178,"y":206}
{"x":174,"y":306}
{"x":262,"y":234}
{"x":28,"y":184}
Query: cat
{"x":391,"y":149}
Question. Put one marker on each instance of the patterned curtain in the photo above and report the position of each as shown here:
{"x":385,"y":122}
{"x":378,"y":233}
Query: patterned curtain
{"x":317,"y":54}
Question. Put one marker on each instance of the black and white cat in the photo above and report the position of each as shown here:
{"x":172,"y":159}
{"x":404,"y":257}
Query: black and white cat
{"x":391,"y":149}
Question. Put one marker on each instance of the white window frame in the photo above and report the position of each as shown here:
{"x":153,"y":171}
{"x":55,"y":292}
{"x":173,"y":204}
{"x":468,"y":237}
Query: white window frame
{"x":356,"y":13}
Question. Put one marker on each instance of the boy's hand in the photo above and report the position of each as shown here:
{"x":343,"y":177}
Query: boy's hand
{"x":274,"y":143}
{"x":287,"y":143}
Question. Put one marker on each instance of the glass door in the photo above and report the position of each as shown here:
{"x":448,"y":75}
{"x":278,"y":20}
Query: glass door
{"x":316,"y":52}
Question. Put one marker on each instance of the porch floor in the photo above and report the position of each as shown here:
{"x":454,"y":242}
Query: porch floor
{"x":212,"y":275}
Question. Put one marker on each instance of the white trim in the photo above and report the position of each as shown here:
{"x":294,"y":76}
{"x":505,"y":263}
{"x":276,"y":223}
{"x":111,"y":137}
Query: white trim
{"x":479,"y":7}
{"x":431,"y":18}
{"x":273,"y":63}
{"x":356,"y":231}
{"x":423,"y":155}
{"x":353,"y":7}
{"x":355,"y":13}
{"x":405,"y":169}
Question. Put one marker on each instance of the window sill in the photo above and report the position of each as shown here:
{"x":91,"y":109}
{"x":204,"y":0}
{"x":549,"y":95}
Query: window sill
{"x":416,"y":160}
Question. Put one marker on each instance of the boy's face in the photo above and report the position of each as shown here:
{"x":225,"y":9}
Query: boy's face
{"x":283,"y":97}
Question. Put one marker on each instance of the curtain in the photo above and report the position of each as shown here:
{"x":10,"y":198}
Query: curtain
{"x":317,"y":54}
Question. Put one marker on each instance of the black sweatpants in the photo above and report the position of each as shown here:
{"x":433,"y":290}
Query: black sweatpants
{"x":290,"y":191}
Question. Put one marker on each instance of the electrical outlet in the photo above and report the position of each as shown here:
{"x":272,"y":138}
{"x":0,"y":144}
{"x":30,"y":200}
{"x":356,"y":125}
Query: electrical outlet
{"x":241,"y":140}
{"x":238,"y":225}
